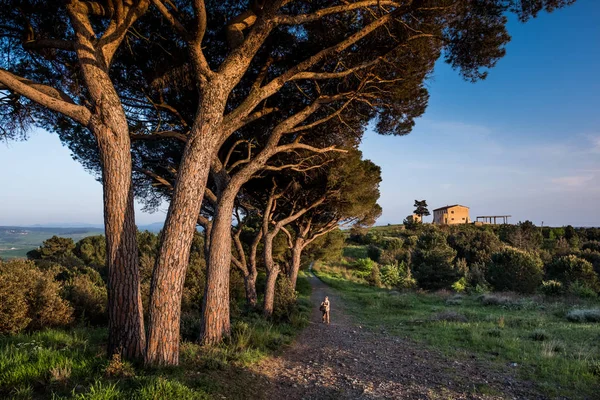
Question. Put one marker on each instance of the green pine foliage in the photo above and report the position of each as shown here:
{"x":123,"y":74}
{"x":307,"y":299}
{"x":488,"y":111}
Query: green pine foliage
{"x":515,"y":270}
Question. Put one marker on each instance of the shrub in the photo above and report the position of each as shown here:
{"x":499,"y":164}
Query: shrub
{"x":582,"y":290}
{"x":390,"y":275}
{"x":539,"y":335}
{"x":590,"y":315}
{"x":374,"y":252}
{"x":393,"y":256}
{"x":474,"y":245}
{"x":569,"y":269}
{"x":592,"y":257}
{"x":92,"y":251}
{"x":13,"y":305}
{"x":55,"y":249}
{"x":460,"y":285}
{"x":88,"y":298}
{"x":392,"y":243}
{"x":592,"y":245}
{"x":449,"y":316}
{"x":285,"y":299}
{"x":374,"y":278}
{"x":516,"y":270}
{"x":552,"y":288}
{"x":29,"y":298}
{"x":476,"y":278}
{"x":411,"y":241}
{"x":432,"y":261}
{"x":495,"y":300}
{"x":364,"y":265}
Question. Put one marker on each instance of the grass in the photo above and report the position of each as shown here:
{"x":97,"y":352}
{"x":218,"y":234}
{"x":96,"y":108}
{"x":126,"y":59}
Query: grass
{"x":71,"y":365}
{"x":561,"y":357}
{"x":355,"y":252}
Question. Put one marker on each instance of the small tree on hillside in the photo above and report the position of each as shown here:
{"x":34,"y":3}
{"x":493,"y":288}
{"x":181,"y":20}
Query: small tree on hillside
{"x":421,"y":209}
{"x":432,"y":261}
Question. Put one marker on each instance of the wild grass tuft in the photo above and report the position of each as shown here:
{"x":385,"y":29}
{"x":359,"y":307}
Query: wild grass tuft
{"x":592,"y":315}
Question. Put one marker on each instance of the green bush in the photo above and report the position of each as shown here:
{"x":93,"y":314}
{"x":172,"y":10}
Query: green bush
{"x":592,"y":257}
{"x":569,"y":269}
{"x":30,"y":298}
{"x":374,"y":252}
{"x":390,"y":275}
{"x":476,"y":278}
{"x":552,"y":288}
{"x":393,"y":256}
{"x":285,"y":299}
{"x":364,"y":265}
{"x":88,"y":298}
{"x":460,"y":285}
{"x":515,"y":270}
{"x":374,"y":278}
{"x":474,"y":245}
{"x":582,"y":290}
{"x":592,"y":245}
{"x":432,"y":261}
{"x":92,"y":251}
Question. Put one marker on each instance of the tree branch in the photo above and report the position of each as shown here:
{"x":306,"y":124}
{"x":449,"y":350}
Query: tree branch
{"x":46,"y":96}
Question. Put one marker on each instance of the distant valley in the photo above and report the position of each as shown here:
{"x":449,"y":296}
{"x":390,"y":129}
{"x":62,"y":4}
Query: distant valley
{"x":16,"y":241}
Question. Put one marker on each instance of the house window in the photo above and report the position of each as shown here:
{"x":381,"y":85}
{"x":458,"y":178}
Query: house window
{"x":452,"y":212}
{"x":463,"y":219}
{"x":452,"y":219}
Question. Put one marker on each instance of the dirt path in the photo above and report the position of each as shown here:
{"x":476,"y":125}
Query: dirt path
{"x":344,"y":361}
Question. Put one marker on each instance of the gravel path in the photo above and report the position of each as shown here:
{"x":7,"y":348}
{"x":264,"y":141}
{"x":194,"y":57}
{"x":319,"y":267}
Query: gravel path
{"x":344,"y":361}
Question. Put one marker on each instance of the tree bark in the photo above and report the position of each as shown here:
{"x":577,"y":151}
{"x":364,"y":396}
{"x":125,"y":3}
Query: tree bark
{"x":253,"y":272}
{"x":171,"y":264}
{"x":111,"y":130}
{"x":250,"y":287}
{"x":215,"y":305}
{"x":272,"y":273}
{"x":126,"y":334}
{"x":269,"y":303}
{"x":296,"y":259}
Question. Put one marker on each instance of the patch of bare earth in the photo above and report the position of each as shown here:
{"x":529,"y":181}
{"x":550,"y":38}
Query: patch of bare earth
{"x":344,"y":361}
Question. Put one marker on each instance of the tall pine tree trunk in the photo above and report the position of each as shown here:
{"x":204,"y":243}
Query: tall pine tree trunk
{"x":126,"y":334}
{"x":172,"y":261}
{"x":295,"y":263}
{"x":272,"y":273}
{"x":215,"y":305}
{"x":250,"y":287}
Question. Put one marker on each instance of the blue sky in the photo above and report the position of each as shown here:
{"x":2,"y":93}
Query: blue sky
{"x":524,"y":142}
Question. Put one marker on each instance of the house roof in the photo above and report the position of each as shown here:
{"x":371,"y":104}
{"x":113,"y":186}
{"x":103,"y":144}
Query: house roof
{"x":452,"y":206}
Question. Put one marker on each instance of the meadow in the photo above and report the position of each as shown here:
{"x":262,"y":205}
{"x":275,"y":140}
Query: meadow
{"x":532,"y":334}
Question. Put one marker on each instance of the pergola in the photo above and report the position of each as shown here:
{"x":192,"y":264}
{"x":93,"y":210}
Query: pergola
{"x":487,"y":219}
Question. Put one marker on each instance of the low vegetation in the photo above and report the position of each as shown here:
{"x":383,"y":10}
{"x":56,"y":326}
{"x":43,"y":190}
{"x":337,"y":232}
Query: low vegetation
{"x":53,"y":333}
{"x":518,"y":297}
{"x":550,"y":341}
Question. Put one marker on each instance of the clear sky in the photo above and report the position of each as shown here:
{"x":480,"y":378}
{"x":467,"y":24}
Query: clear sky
{"x":524,"y":142}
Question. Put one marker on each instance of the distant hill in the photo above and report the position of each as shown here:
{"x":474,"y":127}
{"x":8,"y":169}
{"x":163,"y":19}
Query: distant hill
{"x":154,"y":227}
{"x":16,"y":241}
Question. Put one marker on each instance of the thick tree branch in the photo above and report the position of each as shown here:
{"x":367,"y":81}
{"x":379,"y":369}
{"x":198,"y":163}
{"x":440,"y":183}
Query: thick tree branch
{"x":46,"y":96}
{"x":304,"y":18}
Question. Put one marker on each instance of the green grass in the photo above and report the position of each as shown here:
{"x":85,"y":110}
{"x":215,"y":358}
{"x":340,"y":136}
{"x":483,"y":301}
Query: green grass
{"x":561,"y":357}
{"x":54,"y":364}
{"x":355,"y":252}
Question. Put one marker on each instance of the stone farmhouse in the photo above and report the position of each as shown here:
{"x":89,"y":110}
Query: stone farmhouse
{"x":451,"y":215}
